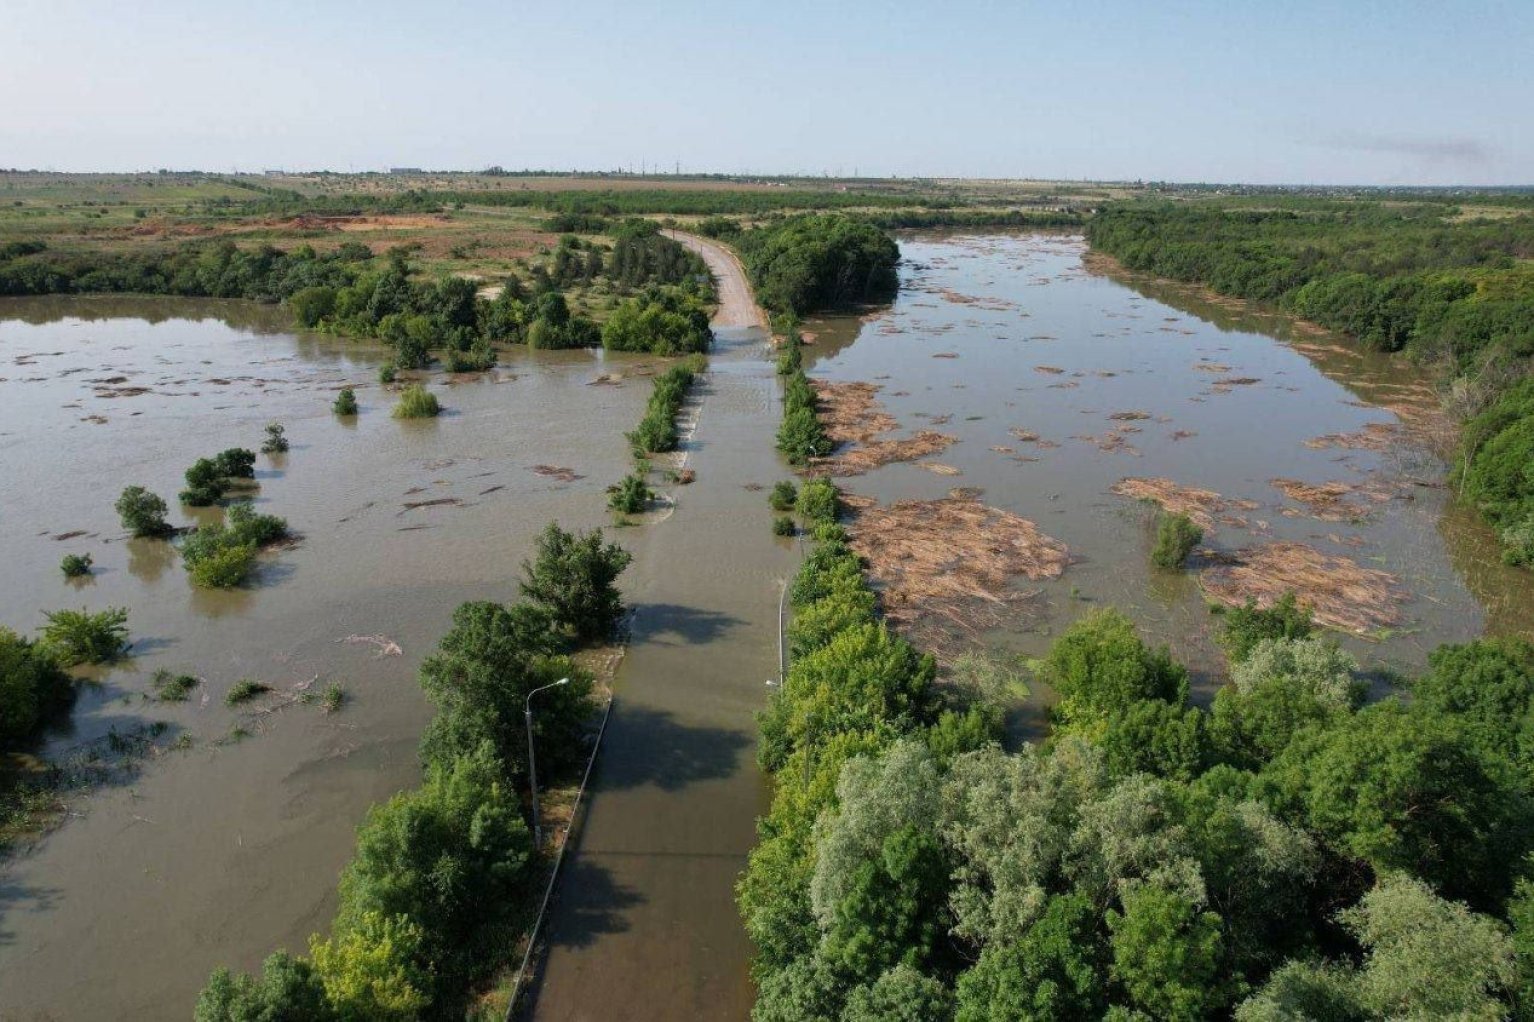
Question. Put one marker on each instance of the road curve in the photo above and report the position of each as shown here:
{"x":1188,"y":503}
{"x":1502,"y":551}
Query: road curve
{"x":737,"y":306}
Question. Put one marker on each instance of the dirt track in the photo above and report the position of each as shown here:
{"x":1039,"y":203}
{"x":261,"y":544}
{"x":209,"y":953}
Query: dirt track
{"x":737,"y":308}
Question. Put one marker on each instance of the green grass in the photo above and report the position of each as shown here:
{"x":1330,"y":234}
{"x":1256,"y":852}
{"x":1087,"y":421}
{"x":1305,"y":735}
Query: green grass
{"x":245,"y":690}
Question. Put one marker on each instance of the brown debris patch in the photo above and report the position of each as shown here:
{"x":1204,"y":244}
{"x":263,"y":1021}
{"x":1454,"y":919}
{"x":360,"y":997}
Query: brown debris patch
{"x":946,"y":566}
{"x":1048,"y":370}
{"x":559,"y":472}
{"x":1376,"y":436}
{"x":1341,"y":593}
{"x":939,"y":468}
{"x":1329,"y":501}
{"x":854,"y":420}
{"x":1205,"y":507}
{"x":1129,"y":416}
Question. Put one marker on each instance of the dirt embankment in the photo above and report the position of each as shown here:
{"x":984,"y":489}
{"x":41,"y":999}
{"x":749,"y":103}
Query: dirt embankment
{"x":737,"y":304}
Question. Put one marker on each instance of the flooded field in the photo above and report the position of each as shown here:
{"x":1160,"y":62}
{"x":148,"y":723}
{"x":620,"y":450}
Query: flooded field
{"x":222,"y":851}
{"x":1015,"y":373}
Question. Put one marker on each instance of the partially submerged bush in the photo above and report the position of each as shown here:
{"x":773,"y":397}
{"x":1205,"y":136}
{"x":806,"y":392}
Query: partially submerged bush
{"x":222,"y":555}
{"x":630,"y":496}
{"x":817,"y":501}
{"x":1248,"y":625}
{"x":76,"y":565}
{"x":416,"y":402}
{"x":205,"y":483}
{"x":783,"y":495}
{"x":142,"y":513}
{"x":276,"y":439}
{"x":387,"y":373}
{"x":573,"y":576}
{"x":345,"y":403}
{"x":80,"y":637}
{"x":31,"y":686}
{"x":223,"y":568}
{"x":244,"y":690}
{"x":782,"y":525}
{"x":1176,"y":536}
{"x":172,"y":688}
{"x":237,"y":463}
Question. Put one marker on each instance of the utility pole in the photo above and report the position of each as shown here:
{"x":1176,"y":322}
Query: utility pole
{"x":532,"y":766}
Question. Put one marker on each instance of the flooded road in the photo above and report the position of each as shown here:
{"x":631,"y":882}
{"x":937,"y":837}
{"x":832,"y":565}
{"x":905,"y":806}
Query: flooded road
{"x":222,"y":852}
{"x":1056,"y":383}
{"x":644,"y":925}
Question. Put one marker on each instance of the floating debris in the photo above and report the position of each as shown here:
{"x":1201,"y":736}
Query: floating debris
{"x":855,"y":421}
{"x":1340,"y":592}
{"x":559,"y":472}
{"x":1205,"y":507}
{"x":385,"y":646}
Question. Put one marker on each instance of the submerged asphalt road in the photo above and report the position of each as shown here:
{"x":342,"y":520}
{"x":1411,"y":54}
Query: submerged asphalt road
{"x":644,"y":923}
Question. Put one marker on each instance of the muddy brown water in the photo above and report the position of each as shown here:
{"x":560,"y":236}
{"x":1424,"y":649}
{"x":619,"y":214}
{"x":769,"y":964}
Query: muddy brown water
{"x":220,"y":854}
{"x":978,"y":315}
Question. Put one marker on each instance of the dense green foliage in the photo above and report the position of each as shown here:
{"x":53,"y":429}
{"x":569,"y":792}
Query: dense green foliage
{"x":276,"y":440}
{"x":437,"y":895}
{"x":345,"y":402}
{"x":32,"y":686}
{"x":416,"y":402}
{"x":220,"y":555}
{"x":783,"y":496}
{"x":81,"y":637}
{"x":1176,"y":536}
{"x":1412,"y":278}
{"x":657,"y":432}
{"x":76,"y":565}
{"x":810,"y":262}
{"x":801,"y":438}
{"x":661,"y":321}
{"x":142,"y":513}
{"x":630,"y":495}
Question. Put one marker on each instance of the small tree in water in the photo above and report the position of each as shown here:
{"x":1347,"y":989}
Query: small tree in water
{"x":275,"y":442}
{"x":573,"y":576}
{"x":1176,"y":536}
{"x":346,"y":402}
{"x":142,"y":513}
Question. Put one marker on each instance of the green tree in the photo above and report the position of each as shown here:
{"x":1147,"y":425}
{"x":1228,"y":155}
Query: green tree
{"x":286,"y":991}
{"x":1100,"y":667}
{"x":1283,"y":687}
{"x":902,"y":994}
{"x":31,"y":686}
{"x":1176,"y":536}
{"x":1057,"y":970}
{"x":574,"y":576}
{"x":142,"y":513}
{"x":1166,"y":953}
{"x":371,"y":971}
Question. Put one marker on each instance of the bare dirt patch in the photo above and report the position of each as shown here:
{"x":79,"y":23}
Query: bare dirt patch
{"x":1340,"y":592}
{"x":946,"y":567}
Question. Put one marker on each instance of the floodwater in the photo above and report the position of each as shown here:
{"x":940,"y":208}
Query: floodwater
{"x":220,"y":853}
{"x":1120,"y":377}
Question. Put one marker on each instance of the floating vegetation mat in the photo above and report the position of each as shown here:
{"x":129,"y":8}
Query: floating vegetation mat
{"x":1340,"y":592}
{"x":1205,"y":507}
{"x":1330,"y":501}
{"x":855,"y":421}
{"x":947,"y":567}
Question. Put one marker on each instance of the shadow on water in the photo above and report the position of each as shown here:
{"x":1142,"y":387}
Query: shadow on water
{"x":588,"y":903}
{"x":673,"y":624}
{"x":647,"y":746}
{"x":22,"y":897}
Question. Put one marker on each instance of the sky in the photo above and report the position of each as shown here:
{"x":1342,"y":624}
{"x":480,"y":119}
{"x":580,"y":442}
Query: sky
{"x":1292,"y":92}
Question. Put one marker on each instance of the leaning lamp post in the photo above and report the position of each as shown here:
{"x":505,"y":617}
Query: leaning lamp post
{"x":532,"y":768}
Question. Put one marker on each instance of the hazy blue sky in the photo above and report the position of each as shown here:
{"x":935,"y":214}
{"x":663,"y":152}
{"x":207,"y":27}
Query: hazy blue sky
{"x":1235,"y":90}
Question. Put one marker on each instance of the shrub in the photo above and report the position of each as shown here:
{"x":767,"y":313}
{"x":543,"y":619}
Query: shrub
{"x":662,"y":321}
{"x":80,"y":637}
{"x":333,"y":697}
{"x":783,"y":525}
{"x":312,"y":304}
{"x":76,"y":565}
{"x":31,"y":685}
{"x":246,"y":526}
{"x":630,"y":496}
{"x":172,"y":688}
{"x":1246,"y":626}
{"x":345,"y":403}
{"x":800,"y":437}
{"x":222,"y":568}
{"x":817,"y":501}
{"x":1518,"y":541}
{"x":1176,"y":536}
{"x":142,"y":513}
{"x":244,"y":690}
{"x":205,"y":483}
{"x":387,"y":373}
{"x":782,"y":496}
{"x":276,"y":441}
{"x":286,"y":989}
{"x":416,"y":402}
{"x":236,"y":463}
{"x":573,"y":576}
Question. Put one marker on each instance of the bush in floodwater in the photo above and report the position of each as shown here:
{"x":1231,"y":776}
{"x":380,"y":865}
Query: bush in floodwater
{"x":817,"y":501}
{"x":224,"y":568}
{"x":76,"y":565}
{"x":783,"y":495}
{"x":416,"y":402}
{"x":333,"y":697}
{"x":246,"y":526}
{"x":783,"y":525}
{"x":171,"y":688}
{"x":205,"y":484}
{"x":630,"y":496}
{"x":31,"y":685}
{"x":80,"y":637}
{"x":1246,"y":626}
{"x":142,"y":513}
{"x":276,"y":441}
{"x":244,"y":690}
{"x":801,"y":437}
{"x":345,"y":403}
{"x":237,"y":463}
{"x":1176,"y":536}
{"x":573,"y":576}
{"x":387,"y":373}
{"x":221,"y":555}
{"x":478,"y":359}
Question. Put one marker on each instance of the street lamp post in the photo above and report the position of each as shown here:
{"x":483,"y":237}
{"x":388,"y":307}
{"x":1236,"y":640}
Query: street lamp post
{"x":532,"y":768}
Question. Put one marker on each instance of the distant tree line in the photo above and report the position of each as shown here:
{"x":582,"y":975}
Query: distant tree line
{"x":1458,"y":293}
